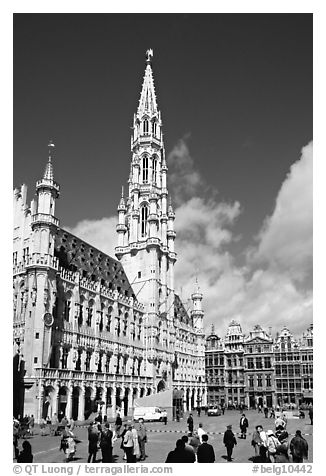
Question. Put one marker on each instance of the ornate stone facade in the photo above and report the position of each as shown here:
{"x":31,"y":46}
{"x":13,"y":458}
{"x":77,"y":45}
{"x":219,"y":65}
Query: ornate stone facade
{"x":257,"y":369}
{"x":91,"y":331}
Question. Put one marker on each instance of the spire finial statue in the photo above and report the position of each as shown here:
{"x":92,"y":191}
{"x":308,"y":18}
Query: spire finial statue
{"x":51,"y":147}
{"x":149,"y":55}
{"x":122,"y":191}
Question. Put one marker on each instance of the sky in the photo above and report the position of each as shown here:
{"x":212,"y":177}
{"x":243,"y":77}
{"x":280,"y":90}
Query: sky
{"x":235,"y":92}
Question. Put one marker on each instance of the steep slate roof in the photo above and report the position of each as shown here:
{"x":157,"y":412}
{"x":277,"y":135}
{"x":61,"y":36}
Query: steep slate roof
{"x":77,"y":255}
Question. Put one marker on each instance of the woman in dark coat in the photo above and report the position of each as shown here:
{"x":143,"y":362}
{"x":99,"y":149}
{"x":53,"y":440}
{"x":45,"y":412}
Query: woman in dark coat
{"x":229,"y":441}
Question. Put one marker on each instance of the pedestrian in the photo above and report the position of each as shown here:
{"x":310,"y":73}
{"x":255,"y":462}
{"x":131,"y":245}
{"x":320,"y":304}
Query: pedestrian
{"x":190,"y":423}
{"x":118,"y":424}
{"x":194,"y":441}
{"x":201,"y":432}
{"x":15,"y":437}
{"x":198,"y":410}
{"x":42,"y":426}
{"x":106,"y":443}
{"x":54,"y":425}
{"x":128,"y":444}
{"x":205,"y":453}
{"x":71,"y":424}
{"x":68,"y":444}
{"x":179,"y":454}
{"x":259,"y":409}
{"x":164,"y":417}
{"x":177,"y":414}
{"x":223,"y":408}
{"x":257,"y":440}
{"x":189,"y":448}
{"x":26,"y":455}
{"x":93,"y":442}
{"x":142,"y":438}
{"x":206,"y":409}
{"x":272,"y":445}
{"x":64,"y":422}
{"x":310,"y":412}
{"x":136,"y":450}
{"x":298,"y":448}
{"x":272,"y":413}
{"x":280,"y":424}
{"x":31,"y":423}
{"x":243,"y":426}
{"x":229,"y":441}
{"x":123,"y":432}
{"x":266,"y":411}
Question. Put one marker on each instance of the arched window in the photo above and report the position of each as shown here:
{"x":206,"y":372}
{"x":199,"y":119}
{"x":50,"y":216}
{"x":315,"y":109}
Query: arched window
{"x":154,"y":171}
{"x":146,"y":126}
{"x":144,"y":216}
{"x":145,"y":169}
{"x":154,"y":128}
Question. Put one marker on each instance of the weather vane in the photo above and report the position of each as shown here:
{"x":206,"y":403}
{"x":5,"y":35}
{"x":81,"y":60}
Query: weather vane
{"x":149,"y":54}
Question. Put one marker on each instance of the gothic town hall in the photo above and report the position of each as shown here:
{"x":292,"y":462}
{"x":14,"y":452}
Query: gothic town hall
{"x":92,"y":332}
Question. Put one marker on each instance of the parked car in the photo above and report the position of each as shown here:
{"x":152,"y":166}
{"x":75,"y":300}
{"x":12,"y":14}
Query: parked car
{"x":148,"y":413}
{"x":215,"y":411}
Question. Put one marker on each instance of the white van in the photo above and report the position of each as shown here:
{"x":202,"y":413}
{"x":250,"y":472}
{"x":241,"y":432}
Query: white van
{"x":148,"y":413}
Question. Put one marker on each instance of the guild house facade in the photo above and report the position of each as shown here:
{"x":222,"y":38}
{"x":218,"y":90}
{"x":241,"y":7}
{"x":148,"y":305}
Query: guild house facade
{"x":92,"y":332}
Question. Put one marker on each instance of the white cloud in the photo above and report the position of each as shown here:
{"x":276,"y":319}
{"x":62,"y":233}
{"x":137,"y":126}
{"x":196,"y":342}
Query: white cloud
{"x":285,"y":241}
{"x":265,"y":290}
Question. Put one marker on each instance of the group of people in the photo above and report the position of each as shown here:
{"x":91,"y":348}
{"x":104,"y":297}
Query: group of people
{"x":102,"y":437}
{"x":274,"y":445}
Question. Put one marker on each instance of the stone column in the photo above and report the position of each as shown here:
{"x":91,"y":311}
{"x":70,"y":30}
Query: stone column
{"x":81,"y":404}
{"x":69,"y":402}
{"x":113,"y":401}
{"x":55,"y":401}
{"x":40,"y":402}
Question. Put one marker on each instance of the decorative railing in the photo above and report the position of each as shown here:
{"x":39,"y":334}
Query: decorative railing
{"x":45,"y":218}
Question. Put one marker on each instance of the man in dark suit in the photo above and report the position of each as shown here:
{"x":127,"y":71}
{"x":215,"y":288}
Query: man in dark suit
{"x":205,"y":452}
{"x":243,"y":426}
{"x":229,"y":441}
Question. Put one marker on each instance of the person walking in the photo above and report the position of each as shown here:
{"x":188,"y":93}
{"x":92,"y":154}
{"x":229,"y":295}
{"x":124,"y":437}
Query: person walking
{"x":26,"y":455}
{"x":54,"y":424}
{"x":128,"y":444}
{"x":142,"y":438}
{"x":189,"y":448}
{"x":223,"y":408}
{"x":124,"y":431}
{"x":272,"y":445}
{"x":136,"y":450}
{"x":229,"y":441}
{"x":243,"y":426}
{"x":298,"y":448}
{"x":164,"y":417}
{"x":311,"y":413}
{"x":31,"y":424}
{"x":118,"y":424}
{"x":205,"y":452}
{"x":179,"y":454}
{"x":257,"y":441}
{"x":106,"y":443}
{"x":93,"y":441}
{"x":201,"y":432}
{"x":259,"y":409}
{"x":198,"y":410}
{"x":68,"y":444}
{"x":190,"y":423}
{"x":42,"y":427}
{"x":280,"y":424}
{"x":266,"y":411}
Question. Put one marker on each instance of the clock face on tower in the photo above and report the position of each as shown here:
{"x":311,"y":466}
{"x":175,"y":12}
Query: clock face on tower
{"x":48,"y":319}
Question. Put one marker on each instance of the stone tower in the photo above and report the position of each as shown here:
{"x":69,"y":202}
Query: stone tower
{"x":146,"y":218}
